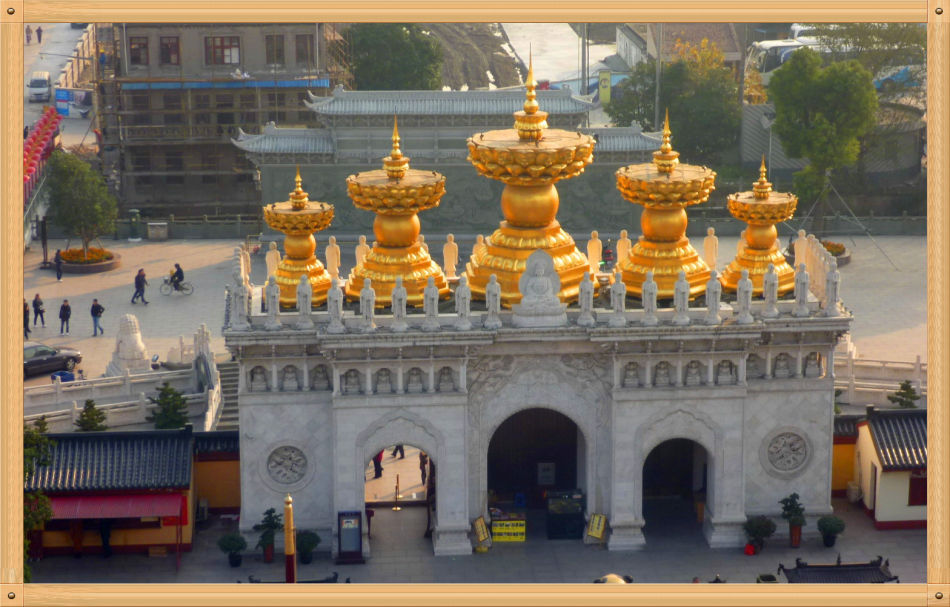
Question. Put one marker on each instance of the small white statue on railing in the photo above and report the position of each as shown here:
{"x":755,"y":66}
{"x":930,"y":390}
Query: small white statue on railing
{"x":586,"y":300}
{"x":430,"y":306}
{"x":713,"y":299}
{"x":618,"y":302}
{"x":744,"y":300}
{"x":832,"y":282}
{"x":648,"y":300}
{"x":399,"y":298}
{"x":681,"y":300}
{"x":304,"y":302}
{"x":770,"y":292}
{"x":801,"y":292}
{"x":800,"y":248}
{"x":493,"y":303}
{"x":239,"y":305}
{"x":463,"y":305}
{"x":335,"y":308}
{"x":272,"y":295}
{"x":368,"y":306}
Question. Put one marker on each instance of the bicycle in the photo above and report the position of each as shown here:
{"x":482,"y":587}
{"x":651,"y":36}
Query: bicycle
{"x":184,"y":287}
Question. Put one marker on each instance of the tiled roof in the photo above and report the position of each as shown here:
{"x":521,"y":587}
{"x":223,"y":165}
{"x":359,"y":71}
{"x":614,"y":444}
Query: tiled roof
{"x":873,"y":572}
{"x":421,"y":103}
{"x":624,"y":139}
{"x":847,"y":425}
{"x":106,"y":461}
{"x":723,"y":34}
{"x":900,"y":437}
{"x":221,"y":441}
{"x":286,"y":141}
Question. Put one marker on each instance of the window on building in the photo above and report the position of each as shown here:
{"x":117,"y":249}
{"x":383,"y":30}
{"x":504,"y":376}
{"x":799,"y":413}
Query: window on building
{"x":171,"y":101}
{"x":140,"y":160}
{"x":248,"y":100}
{"x":274,"y":49}
{"x":174,"y":161}
{"x":138,"y":50}
{"x":304,"y":44}
{"x":174,"y":119}
{"x":202,"y":102}
{"x":168,"y":50}
{"x":223,"y":101}
{"x":222,"y":50}
{"x":917,"y":493}
{"x":276,"y":100}
{"x":209,"y":179}
{"x":174,"y":180}
{"x":143,"y":180}
{"x":140,"y":102}
{"x":277,"y":117}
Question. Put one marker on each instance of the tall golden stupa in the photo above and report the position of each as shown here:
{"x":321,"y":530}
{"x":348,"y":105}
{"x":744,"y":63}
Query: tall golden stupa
{"x":298,"y":218}
{"x":665,"y":188}
{"x":761,"y":209}
{"x":396,"y":194}
{"x":529,"y":159}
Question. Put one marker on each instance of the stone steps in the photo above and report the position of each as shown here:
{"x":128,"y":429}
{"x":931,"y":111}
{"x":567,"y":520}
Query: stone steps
{"x":229,"y":396}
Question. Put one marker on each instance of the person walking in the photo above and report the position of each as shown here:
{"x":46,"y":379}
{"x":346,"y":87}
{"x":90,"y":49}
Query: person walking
{"x":423,"y":465}
{"x":26,"y":319}
{"x":378,"y":465}
{"x":399,"y":449}
{"x":140,"y":284}
{"x":39,"y":35}
{"x":96,"y":311}
{"x":65,"y":311}
{"x":58,"y":261}
{"x":29,"y":34}
{"x":38,"y":311}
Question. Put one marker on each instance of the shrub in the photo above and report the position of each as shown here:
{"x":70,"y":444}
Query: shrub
{"x":269,"y":525}
{"x":830,"y":525}
{"x":96,"y":255}
{"x":757,"y":528}
{"x":232,"y":543}
{"x":792,"y":510}
{"x":835,"y":248}
{"x":307,"y":541}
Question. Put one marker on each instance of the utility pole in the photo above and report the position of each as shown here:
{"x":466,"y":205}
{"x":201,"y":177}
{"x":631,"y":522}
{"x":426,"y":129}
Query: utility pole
{"x":658,"y":43}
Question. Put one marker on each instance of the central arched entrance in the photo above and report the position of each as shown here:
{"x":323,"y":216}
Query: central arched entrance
{"x":532,"y":454}
{"x":675,"y":477}
{"x":399,"y":496}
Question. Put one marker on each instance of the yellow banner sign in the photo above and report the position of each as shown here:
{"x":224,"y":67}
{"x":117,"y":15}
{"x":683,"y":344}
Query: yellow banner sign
{"x":604,"y":86}
{"x":596,"y":526}
{"x":481,"y":530}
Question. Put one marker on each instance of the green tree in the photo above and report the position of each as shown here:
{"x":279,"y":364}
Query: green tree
{"x":172,"y":409}
{"x":820,"y":114}
{"x":91,"y":419}
{"x":394,"y":57}
{"x":700,"y":93}
{"x":906,"y":396}
{"x":37,"y":451}
{"x":80,"y":202}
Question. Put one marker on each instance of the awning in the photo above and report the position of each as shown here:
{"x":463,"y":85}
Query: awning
{"x":117,"y":506}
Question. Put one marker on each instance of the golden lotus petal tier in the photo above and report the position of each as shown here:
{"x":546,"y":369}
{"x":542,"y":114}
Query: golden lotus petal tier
{"x":503,"y":156}
{"x":383,"y":265}
{"x":298,"y":226}
{"x":416,"y":191}
{"x":664,"y":248}
{"x":506,"y":252}
{"x":761,"y":213}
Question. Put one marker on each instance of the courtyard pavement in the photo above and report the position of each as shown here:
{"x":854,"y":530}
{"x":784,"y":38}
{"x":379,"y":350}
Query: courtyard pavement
{"x":889,"y":304}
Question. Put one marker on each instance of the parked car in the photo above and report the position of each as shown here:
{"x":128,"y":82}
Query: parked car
{"x":40,"y":358}
{"x":78,"y":26}
{"x":40,"y":87}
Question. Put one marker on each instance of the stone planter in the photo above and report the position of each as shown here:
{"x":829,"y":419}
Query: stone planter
{"x":92,"y":268}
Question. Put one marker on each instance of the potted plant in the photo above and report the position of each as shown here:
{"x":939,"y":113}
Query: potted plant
{"x":794,"y":513}
{"x":306,"y":542}
{"x":830,"y":527}
{"x":232,"y":544}
{"x":757,"y":528}
{"x":270,"y":524}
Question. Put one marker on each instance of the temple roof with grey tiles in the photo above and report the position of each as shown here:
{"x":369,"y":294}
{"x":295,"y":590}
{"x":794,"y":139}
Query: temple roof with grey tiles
{"x":900,"y":437}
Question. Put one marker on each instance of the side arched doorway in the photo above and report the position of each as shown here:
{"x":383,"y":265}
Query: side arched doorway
{"x":675,"y":484}
{"x":532,"y":454}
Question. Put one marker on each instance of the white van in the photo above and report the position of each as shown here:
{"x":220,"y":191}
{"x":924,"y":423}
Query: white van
{"x":39,"y":87}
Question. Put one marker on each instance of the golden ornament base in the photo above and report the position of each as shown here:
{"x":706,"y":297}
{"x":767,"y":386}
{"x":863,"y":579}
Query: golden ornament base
{"x":757,"y":261}
{"x":288,"y":275}
{"x":666,"y":259}
{"x":507,"y":251}
{"x":383,"y":264}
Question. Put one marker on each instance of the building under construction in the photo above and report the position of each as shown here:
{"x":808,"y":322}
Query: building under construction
{"x":171,"y":97}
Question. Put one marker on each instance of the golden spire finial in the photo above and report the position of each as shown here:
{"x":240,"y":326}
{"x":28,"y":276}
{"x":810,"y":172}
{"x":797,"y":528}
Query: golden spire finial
{"x":298,"y":198}
{"x":665,"y":158}
{"x":530,"y":122}
{"x":396,"y":165}
{"x":762,"y":188}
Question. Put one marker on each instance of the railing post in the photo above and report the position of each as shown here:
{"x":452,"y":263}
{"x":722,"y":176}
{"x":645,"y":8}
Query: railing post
{"x":74,"y":412}
{"x":918,"y":374}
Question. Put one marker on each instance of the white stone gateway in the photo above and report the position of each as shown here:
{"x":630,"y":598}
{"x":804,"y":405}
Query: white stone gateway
{"x":399,"y":298}
{"x":586,"y":301}
{"x":130,"y":354}
{"x":493,"y":304}
{"x":539,"y":286}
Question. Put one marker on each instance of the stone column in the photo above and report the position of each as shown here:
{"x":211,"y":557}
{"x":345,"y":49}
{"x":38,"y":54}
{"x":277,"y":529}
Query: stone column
{"x":725,"y":504}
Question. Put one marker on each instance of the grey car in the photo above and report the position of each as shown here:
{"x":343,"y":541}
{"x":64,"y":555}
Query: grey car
{"x":40,"y":358}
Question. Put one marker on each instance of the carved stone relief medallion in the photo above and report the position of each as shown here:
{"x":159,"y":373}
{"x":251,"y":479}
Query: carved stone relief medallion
{"x":287,"y":465}
{"x":785,"y":452}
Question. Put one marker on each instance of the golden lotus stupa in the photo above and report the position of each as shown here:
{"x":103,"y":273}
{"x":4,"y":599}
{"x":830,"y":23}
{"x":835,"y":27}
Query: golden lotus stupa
{"x":761,"y":209}
{"x":664,"y":188}
{"x":396,"y":194}
{"x":529,"y":159}
{"x":298,"y":218}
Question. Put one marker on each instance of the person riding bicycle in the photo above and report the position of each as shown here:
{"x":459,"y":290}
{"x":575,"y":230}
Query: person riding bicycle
{"x":177,"y":276}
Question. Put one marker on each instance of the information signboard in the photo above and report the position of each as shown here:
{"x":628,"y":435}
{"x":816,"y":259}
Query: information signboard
{"x":349,"y":537}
